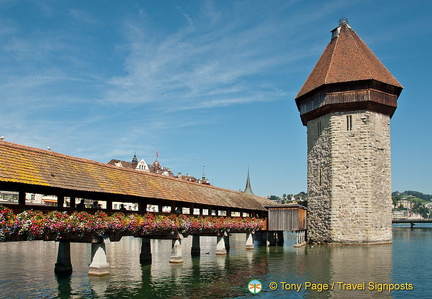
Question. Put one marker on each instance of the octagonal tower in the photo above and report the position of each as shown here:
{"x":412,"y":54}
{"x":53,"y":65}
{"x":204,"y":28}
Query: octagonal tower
{"x":346,"y":103}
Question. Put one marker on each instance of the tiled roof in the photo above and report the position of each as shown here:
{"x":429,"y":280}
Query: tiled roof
{"x":26,"y":165}
{"x":347,"y":58}
{"x":122,"y":163}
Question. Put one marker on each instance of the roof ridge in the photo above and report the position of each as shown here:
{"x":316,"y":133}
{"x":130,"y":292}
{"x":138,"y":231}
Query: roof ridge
{"x":331,"y":58}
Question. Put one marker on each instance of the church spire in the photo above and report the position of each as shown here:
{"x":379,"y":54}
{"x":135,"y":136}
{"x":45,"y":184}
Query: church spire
{"x":134,"y":159}
{"x":248,"y":189}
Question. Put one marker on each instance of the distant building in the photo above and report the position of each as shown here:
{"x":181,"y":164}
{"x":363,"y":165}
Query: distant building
{"x":157,"y":168}
{"x":142,"y":165}
{"x":405,"y":203}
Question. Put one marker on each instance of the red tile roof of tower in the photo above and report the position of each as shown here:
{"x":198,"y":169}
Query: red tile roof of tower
{"x":347,"y":58}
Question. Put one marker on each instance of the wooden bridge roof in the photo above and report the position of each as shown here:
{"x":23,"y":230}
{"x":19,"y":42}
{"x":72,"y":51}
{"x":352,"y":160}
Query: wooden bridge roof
{"x":36,"y":167}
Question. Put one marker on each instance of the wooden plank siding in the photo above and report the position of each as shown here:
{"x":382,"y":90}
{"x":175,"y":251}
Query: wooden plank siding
{"x":286,"y":218}
{"x":364,"y":95}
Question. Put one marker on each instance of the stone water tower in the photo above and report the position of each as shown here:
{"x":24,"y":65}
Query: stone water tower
{"x":346,"y":103}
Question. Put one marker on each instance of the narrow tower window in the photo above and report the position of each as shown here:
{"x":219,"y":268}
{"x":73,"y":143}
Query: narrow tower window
{"x":349,"y":122}
{"x":319,"y":128}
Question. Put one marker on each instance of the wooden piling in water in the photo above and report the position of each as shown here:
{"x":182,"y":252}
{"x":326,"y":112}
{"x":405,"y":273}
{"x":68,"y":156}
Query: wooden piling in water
{"x":63,"y":266}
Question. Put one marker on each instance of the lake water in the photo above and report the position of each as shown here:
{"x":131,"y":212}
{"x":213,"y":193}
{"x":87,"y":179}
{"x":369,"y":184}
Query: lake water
{"x":27,"y":270}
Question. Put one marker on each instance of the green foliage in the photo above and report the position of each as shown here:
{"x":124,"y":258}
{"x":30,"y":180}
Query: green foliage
{"x":287,"y":198}
{"x":273,"y":197}
{"x":419,"y":208}
{"x":413,"y":194}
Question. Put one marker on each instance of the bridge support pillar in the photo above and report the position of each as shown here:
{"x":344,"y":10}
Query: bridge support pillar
{"x":249,"y":241}
{"x":280,"y":238}
{"x":271,"y":238}
{"x":261,"y":238}
{"x":195,"y":250}
{"x":99,"y":265}
{"x":227,"y":242}
{"x":220,"y":246}
{"x":63,"y":267}
{"x":176,"y":254}
{"x":145,"y":255}
{"x":301,"y":238}
{"x":275,"y":238}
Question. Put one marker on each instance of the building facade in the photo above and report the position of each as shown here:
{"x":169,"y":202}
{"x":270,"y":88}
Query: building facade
{"x":157,"y":168}
{"x":346,"y":104}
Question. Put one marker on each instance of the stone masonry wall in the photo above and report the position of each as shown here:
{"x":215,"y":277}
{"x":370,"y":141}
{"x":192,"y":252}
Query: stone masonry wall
{"x":319,"y":180}
{"x":349,"y":178}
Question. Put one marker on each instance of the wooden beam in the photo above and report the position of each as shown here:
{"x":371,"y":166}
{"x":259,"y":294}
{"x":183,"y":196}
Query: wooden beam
{"x":60,"y":200}
{"x":21,"y":198}
{"x":109,"y":205}
{"x":72,"y":202}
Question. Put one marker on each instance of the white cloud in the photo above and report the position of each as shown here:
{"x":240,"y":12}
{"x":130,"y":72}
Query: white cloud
{"x":199,"y":63}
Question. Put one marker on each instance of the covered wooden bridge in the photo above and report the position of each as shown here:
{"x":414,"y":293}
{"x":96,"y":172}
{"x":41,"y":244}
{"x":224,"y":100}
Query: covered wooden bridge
{"x":28,"y":170}
{"x":25,"y":169}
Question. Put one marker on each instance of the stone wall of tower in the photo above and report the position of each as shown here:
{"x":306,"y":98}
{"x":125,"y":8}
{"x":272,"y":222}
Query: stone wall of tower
{"x":349,"y":178}
{"x":319,"y":180}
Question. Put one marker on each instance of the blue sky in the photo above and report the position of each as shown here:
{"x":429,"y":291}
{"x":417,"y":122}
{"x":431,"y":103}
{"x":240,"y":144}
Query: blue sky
{"x":206,"y":83}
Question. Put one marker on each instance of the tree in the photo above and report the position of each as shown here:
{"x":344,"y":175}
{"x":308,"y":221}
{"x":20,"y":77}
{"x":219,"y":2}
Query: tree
{"x":273,"y":197}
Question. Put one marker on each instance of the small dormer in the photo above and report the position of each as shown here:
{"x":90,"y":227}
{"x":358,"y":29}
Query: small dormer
{"x":142,"y":165}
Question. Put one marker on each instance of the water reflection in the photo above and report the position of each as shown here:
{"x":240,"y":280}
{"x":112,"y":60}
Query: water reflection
{"x":27,"y":269}
{"x":64,"y":287}
{"x":99,"y":285}
{"x":358,"y":267}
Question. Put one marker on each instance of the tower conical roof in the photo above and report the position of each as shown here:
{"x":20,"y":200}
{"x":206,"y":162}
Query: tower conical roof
{"x":347,"y":58}
{"x":248,"y":188}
